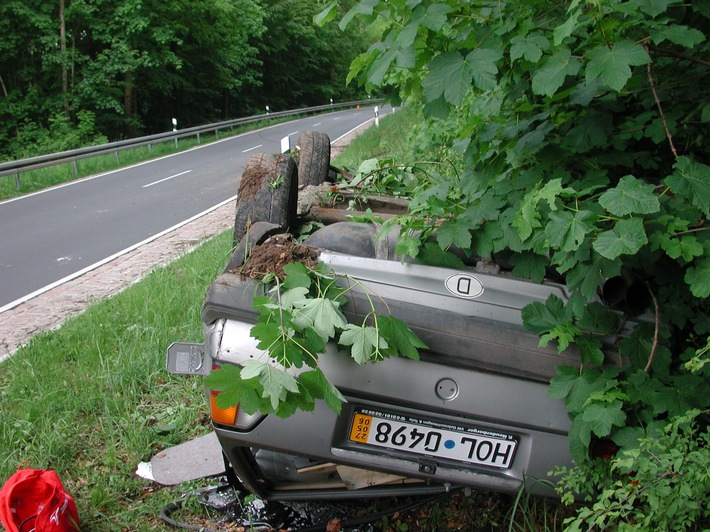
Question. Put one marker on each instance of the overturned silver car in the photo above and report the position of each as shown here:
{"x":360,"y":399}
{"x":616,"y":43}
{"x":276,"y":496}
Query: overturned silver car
{"x":473,"y":411}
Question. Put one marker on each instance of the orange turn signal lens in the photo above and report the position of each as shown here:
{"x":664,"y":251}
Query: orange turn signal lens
{"x":223,"y":416}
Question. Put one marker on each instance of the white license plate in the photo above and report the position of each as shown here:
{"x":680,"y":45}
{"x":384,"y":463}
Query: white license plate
{"x":431,"y":438}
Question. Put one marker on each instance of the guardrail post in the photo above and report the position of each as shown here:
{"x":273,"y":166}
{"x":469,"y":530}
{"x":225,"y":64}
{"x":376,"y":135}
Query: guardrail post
{"x":198,"y":137}
{"x":216,"y":134}
{"x":76,"y":168}
{"x":118,"y":157}
{"x":17,"y":180}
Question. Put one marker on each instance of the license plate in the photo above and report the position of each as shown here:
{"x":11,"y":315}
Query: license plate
{"x":431,"y":438}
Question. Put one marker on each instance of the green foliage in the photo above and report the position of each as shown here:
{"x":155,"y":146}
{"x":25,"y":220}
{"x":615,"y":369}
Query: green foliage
{"x":578,"y":136}
{"x":296,"y":318}
{"x":132,"y":65}
{"x":668,"y":471}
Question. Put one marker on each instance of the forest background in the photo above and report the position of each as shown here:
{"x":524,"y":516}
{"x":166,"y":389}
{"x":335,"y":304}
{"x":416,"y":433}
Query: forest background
{"x":82,"y":72}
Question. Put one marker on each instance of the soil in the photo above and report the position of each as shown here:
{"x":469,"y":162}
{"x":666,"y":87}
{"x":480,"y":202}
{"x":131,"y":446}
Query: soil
{"x":253,"y":178}
{"x":274,"y":254}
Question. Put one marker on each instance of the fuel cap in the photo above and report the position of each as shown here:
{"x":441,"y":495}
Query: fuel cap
{"x":446,"y":389}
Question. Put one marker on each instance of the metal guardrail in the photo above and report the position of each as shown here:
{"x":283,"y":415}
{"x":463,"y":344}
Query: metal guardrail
{"x":72,"y":156}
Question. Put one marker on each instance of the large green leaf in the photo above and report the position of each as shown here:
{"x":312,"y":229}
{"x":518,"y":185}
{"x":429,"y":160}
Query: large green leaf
{"x":550,"y":76}
{"x":613,"y":65}
{"x":453,"y":75}
{"x":320,"y":387}
{"x":567,"y":230}
{"x":454,"y":232}
{"x":630,"y":196}
{"x":322,"y":314}
{"x":365,"y":342}
{"x":691,"y":180}
{"x":400,"y":339}
{"x":677,"y":34}
{"x":275,"y":381}
{"x":698,"y":278}
{"x":602,"y":417}
{"x":529,"y":47}
{"x":627,"y":237}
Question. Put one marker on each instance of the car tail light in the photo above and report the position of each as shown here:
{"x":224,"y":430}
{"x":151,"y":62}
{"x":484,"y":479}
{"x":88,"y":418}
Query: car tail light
{"x":232,"y":416}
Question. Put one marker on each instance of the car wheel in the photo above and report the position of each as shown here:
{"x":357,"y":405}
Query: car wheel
{"x":314,"y":162}
{"x":268,"y":192}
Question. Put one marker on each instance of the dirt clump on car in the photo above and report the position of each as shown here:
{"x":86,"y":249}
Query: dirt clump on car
{"x":255,"y":173}
{"x":274,"y":254}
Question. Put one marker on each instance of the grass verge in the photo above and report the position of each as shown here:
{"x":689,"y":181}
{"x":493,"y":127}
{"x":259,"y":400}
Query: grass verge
{"x":92,"y":400}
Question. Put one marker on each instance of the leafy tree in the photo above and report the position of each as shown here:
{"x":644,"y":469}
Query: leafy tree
{"x":302,"y":64}
{"x":579,"y":131}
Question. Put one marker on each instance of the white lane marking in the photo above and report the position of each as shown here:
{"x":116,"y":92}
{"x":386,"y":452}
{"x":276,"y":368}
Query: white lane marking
{"x":166,"y":178}
{"x":318,"y":124}
{"x":74,"y":275}
{"x":292,"y":133}
{"x":252,"y":148}
{"x":353,"y":129}
{"x":337,"y":117}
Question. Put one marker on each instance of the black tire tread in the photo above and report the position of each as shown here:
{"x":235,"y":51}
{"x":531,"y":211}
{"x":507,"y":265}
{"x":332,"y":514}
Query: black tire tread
{"x":314,"y":159}
{"x":268,"y":192}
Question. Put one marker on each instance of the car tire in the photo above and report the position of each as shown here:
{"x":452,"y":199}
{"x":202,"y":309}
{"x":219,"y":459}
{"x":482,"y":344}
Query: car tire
{"x":314,"y":158}
{"x":268,"y":192}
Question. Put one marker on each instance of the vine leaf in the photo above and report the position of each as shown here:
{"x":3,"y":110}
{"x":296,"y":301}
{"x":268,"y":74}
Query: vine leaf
{"x":698,"y":278}
{"x":566,"y":230}
{"x":530,"y":47}
{"x":627,"y":237}
{"x":677,"y":34}
{"x":365,"y":342}
{"x":322,"y":314}
{"x":613,"y":65}
{"x":631,"y":195}
{"x":529,"y":266}
{"x":691,"y":180}
{"x":652,"y":7}
{"x":316,"y":383}
{"x":602,"y":417}
{"x":233,"y":389}
{"x":542,"y":318}
{"x":551,"y":75}
{"x":454,"y":232}
{"x":452,"y":75}
{"x":296,"y":276}
{"x":400,"y":338}
{"x":276,"y":382}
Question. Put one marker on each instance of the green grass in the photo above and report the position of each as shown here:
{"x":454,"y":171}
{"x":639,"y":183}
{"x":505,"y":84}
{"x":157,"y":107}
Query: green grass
{"x":92,"y":399}
{"x":392,"y":138}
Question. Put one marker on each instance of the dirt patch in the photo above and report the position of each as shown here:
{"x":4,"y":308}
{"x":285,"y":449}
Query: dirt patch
{"x":274,"y":254}
{"x":252,"y":178}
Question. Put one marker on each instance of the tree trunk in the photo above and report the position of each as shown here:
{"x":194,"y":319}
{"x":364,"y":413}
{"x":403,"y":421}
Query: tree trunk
{"x":63,"y":50}
{"x":128,"y":104}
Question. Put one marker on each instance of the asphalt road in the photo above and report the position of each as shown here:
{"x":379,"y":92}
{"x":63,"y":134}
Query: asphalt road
{"x":56,"y":234}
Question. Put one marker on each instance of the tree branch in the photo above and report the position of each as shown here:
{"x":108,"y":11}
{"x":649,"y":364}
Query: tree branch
{"x":671,"y":53}
{"x":655,"y":332}
{"x":660,"y":108}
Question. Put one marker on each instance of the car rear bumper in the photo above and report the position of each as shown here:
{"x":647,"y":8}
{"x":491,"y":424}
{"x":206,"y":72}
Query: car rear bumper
{"x":431,"y":390}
